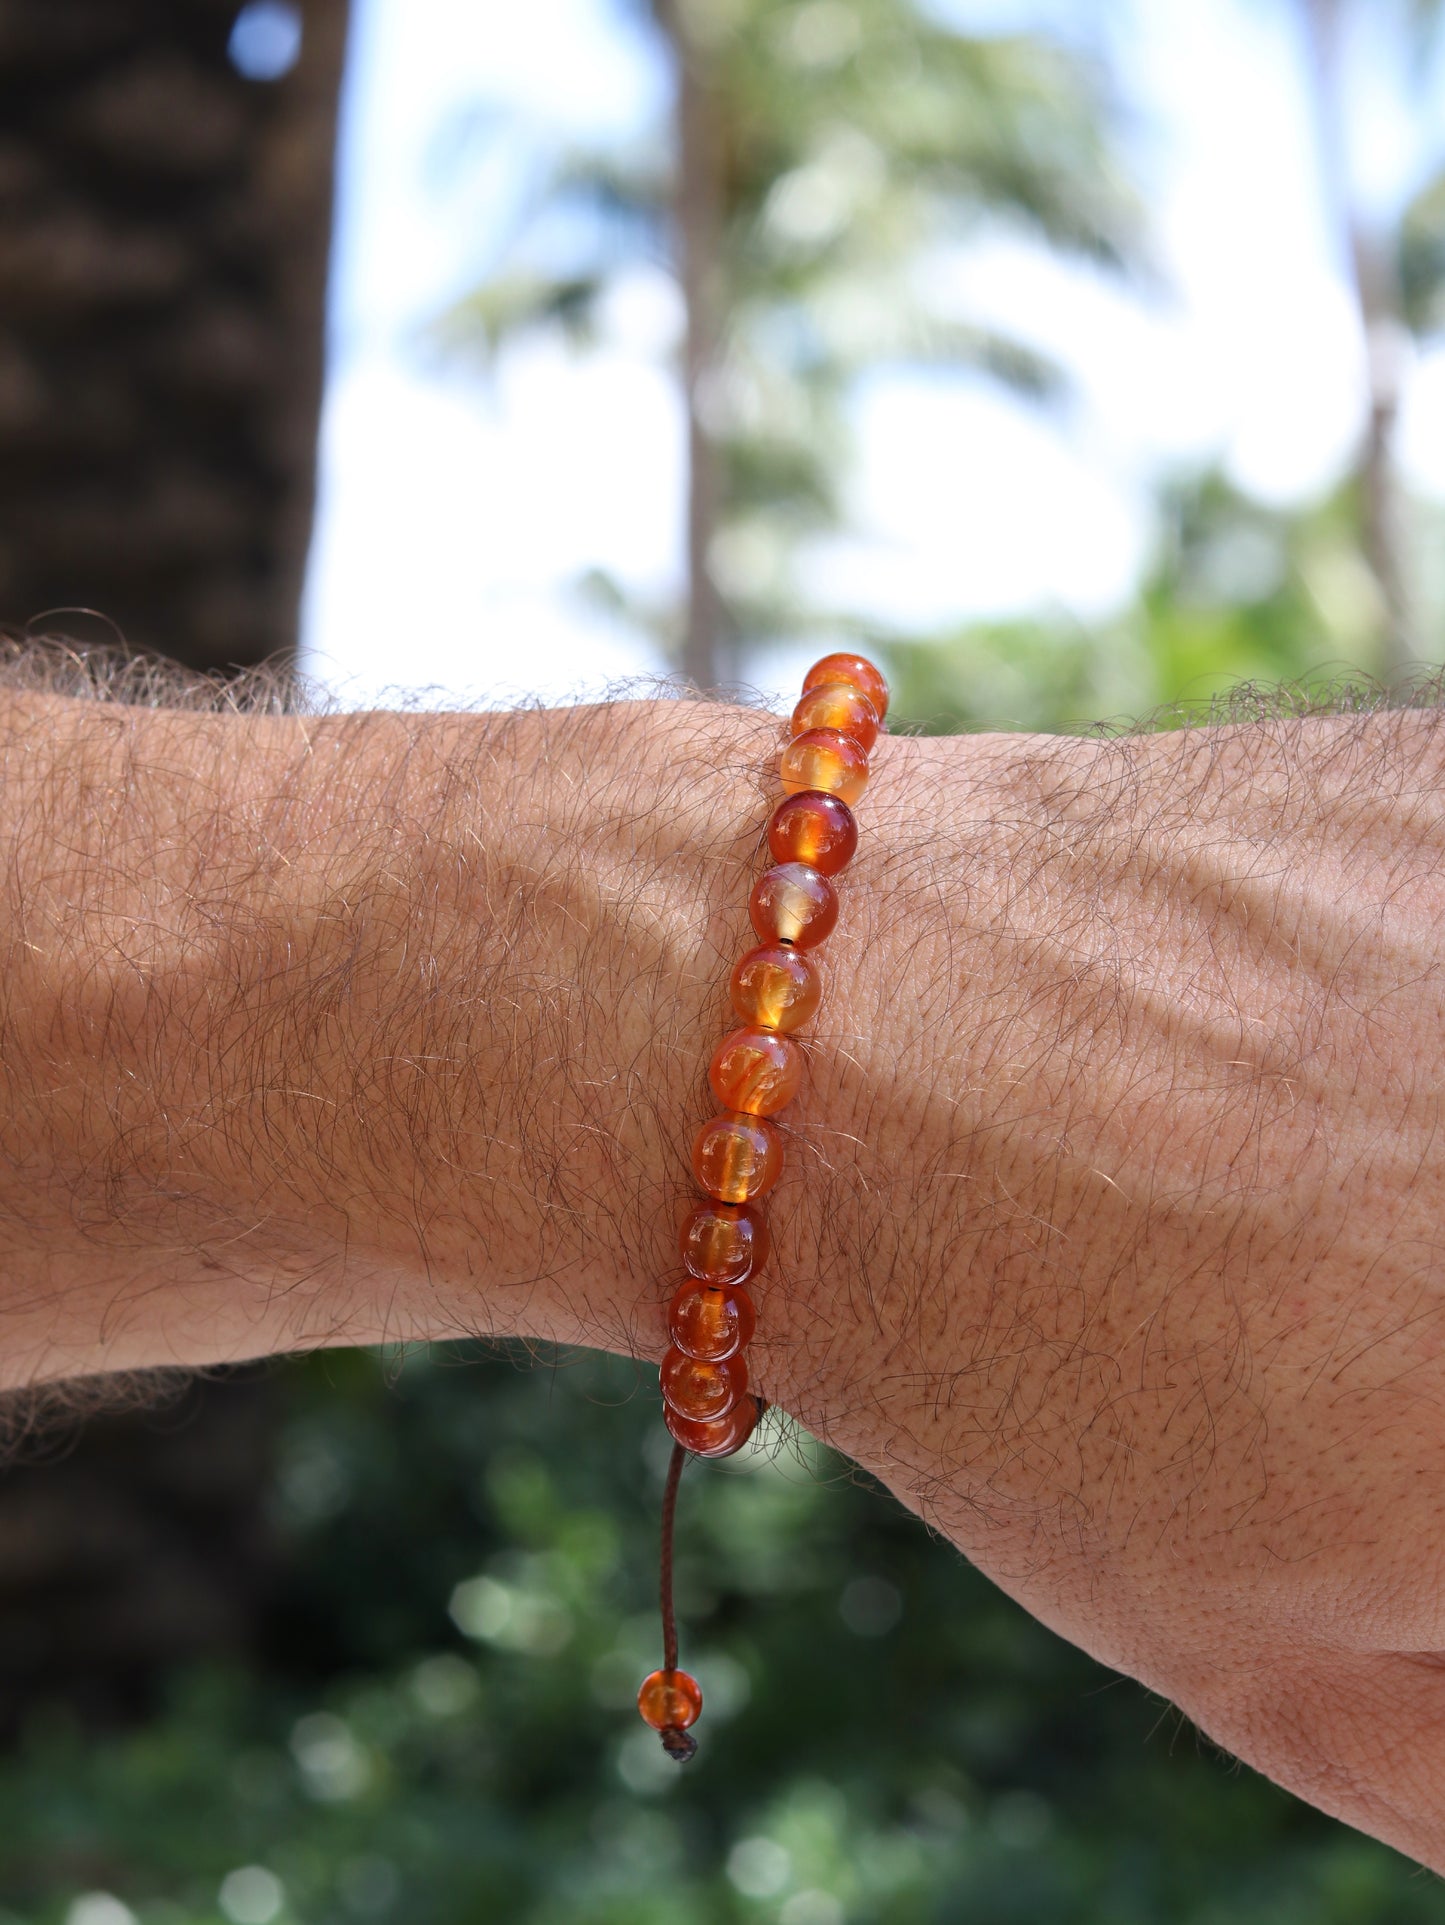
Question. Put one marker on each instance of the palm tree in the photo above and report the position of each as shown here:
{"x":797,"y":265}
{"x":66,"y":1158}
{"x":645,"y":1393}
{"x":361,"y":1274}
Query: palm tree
{"x":824,"y":155}
{"x":164,"y":219}
{"x":1396,"y":274}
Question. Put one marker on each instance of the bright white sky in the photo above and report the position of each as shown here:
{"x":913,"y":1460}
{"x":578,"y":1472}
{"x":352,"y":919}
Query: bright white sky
{"x":454,"y":511}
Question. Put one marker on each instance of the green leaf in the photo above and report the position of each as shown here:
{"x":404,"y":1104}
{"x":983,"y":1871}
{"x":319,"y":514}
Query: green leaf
{"x":499,"y":311}
{"x":1422,"y":259}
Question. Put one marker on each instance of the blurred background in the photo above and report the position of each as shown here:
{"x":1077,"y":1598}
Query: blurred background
{"x":1085,"y":363}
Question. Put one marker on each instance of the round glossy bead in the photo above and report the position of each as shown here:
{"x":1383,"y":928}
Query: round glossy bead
{"x":722,"y":1436}
{"x":722,"y":1243}
{"x":824,"y":759}
{"x":793,"y":903}
{"x":755,"y":1071}
{"x":840,"y":706}
{"x":775,"y":988}
{"x":670,"y":1700}
{"x":708,"y":1323}
{"x":813,"y":827}
{"x":736,"y":1158}
{"x":702,"y":1391}
{"x":854,"y":669}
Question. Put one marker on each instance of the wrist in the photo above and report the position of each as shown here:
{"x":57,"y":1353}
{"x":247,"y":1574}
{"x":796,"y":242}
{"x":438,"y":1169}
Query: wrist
{"x":585,"y":873}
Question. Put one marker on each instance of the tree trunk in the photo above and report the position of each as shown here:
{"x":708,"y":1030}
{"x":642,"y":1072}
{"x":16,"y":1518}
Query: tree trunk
{"x":163,"y":251}
{"x":163,"y":239}
{"x":1383,"y":528}
{"x":698,"y":221}
{"x":1377,"y":303}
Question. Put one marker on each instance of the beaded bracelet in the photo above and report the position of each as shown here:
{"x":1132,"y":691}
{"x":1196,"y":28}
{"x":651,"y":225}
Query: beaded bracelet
{"x":755,"y":1071}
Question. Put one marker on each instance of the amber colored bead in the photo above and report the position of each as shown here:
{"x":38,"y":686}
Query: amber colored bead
{"x":736,"y":1158}
{"x":840,"y":706}
{"x":701,"y":1390}
{"x":813,"y":827}
{"x":793,"y":903}
{"x":722,"y":1436}
{"x":856,"y":670}
{"x":670,"y":1700}
{"x":708,"y":1323}
{"x":755,"y":1071}
{"x":723,"y":1242}
{"x":775,"y":988}
{"x":824,"y":759}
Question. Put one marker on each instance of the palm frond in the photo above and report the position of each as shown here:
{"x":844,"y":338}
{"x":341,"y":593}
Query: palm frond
{"x":502,"y":309}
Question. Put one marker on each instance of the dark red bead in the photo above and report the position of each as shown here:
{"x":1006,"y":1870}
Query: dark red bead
{"x":815,"y":828}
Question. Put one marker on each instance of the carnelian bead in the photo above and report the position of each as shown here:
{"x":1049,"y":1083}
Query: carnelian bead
{"x":736,"y":1158}
{"x":722,"y":1436}
{"x":856,"y":670}
{"x":775,"y":988}
{"x":723,"y":1242}
{"x":701,"y":1390}
{"x":840,"y":706}
{"x":813,"y":827}
{"x":670,"y":1700}
{"x":755,"y":1071}
{"x":708,"y":1323}
{"x":824,"y":759}
{"x":793,"y":903}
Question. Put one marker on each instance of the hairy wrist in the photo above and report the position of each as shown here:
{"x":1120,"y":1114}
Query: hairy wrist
{"x":1107,"y":1234}
{"x":350,"y":1028}
{"x":1150,"y":1148}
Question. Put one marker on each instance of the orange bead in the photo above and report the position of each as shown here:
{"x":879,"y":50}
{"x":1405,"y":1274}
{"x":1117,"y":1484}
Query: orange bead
{"x":723,"y":1242}
{"x":813,"y":827}
{"x":708,"y":1323}
{"x":702,"y":1391}
{"x":722,"y":1436}
{"x":840,"y":706}
{"x":824,"y":759}
{"x":858,"y":671}
{"x":793,"y":903}
{"x":755,"y":1071}
{"x":775,"y":988}
{"x":736,"y":1158}
{"x":670,"y":1700}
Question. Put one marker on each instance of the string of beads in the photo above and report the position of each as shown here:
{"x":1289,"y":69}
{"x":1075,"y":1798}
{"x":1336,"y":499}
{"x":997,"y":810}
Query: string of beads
{"x":756,"y":1071}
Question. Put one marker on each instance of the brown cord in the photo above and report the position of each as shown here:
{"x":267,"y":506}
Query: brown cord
{"x":669,"y":1514}
{"x":676,"y":1742}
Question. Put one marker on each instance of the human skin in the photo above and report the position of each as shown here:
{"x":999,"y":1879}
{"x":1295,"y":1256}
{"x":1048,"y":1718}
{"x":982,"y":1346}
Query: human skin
{"x":1107,"y":1236}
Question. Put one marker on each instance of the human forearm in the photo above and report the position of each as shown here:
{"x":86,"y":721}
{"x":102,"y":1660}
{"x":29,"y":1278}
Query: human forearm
{"x":1106,"y":1235}
{"x":337,"y":1029}
{"x":1158,"y":1338}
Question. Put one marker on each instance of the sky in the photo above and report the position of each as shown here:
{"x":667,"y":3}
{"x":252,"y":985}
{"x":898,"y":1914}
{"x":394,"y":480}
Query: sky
{"x":456,"y":508}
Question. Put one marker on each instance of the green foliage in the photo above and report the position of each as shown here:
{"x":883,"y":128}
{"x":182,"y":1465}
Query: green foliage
{"x":1239,"y":594}
{"x":442,"y":1730}
{"x":1422,"y":259}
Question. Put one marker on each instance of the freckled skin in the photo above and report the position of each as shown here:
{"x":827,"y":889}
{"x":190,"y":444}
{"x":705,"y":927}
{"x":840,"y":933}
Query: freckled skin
{"x":1108,"y":1228}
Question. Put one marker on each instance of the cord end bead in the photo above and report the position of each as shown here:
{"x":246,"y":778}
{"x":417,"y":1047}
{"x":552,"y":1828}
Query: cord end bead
{"x":670,"y":1700}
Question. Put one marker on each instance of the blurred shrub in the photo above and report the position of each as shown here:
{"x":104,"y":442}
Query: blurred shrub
{"x":1238,"y":594}
{"x":442,"y":1729}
